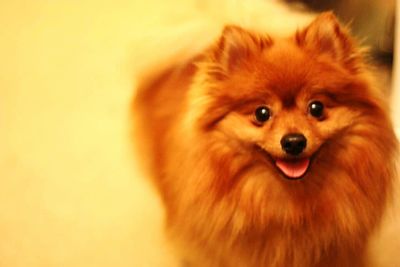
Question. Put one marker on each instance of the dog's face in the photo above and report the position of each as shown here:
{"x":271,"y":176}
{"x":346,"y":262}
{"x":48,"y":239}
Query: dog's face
{"x":285,"y":99}
{"x":287,"y":106}
{"x":293,"y":125}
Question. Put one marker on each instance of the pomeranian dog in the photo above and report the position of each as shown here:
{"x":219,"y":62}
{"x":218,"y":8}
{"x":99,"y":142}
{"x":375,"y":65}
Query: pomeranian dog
{"x":270,"y":152}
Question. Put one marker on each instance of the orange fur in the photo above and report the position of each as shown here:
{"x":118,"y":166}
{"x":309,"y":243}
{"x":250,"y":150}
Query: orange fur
{"x":227,"y":204}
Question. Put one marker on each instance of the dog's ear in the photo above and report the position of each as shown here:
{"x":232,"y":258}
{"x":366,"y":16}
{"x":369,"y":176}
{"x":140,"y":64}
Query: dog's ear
{"x":236,"y":45}
{"x":325,"y":35}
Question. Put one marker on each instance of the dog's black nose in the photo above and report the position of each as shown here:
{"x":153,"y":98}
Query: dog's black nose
{"x":294,"y":144}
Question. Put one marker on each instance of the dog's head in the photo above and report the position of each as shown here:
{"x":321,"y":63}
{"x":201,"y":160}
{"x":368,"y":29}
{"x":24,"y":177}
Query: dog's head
{"x":286,"y":99}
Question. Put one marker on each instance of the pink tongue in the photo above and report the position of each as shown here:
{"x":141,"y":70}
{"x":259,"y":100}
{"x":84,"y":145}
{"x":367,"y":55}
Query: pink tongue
{"x":293,"y":169}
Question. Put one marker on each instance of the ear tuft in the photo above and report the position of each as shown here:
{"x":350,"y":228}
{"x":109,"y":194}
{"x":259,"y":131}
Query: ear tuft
{"x":325,"y":35}
{"x":237,"y":44}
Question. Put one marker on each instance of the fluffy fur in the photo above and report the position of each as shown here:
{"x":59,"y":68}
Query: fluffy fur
{"x":227,"y":204}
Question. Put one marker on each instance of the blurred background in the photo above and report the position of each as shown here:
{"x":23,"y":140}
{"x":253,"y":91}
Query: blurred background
{"x":71,"y":191}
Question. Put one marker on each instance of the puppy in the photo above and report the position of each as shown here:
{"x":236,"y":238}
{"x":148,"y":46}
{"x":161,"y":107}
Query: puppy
{"x":272,"y":152}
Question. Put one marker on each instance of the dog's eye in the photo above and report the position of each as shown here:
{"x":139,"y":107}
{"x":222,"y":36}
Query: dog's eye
{"x":262,"y":114}
{"x":316,"y":109}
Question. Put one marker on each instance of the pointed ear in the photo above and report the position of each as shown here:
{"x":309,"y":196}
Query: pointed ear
{"x":325,"y":35}
{"x":237,"y":44}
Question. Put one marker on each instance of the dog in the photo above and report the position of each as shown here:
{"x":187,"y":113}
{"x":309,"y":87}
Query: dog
{"x":270,"y":151}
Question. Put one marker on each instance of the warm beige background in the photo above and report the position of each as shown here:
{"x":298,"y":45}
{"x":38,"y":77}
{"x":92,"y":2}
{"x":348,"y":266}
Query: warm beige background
{"x":70,"y":191}
{"x":70,"y":194}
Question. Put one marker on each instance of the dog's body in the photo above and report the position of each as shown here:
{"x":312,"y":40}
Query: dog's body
{"x":238,"y":191}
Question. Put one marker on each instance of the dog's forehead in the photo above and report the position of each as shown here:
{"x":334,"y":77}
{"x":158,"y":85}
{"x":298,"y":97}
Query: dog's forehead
{"x":285,"y":72}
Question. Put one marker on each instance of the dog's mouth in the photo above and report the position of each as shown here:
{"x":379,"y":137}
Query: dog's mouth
{"x":293,"y":168}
